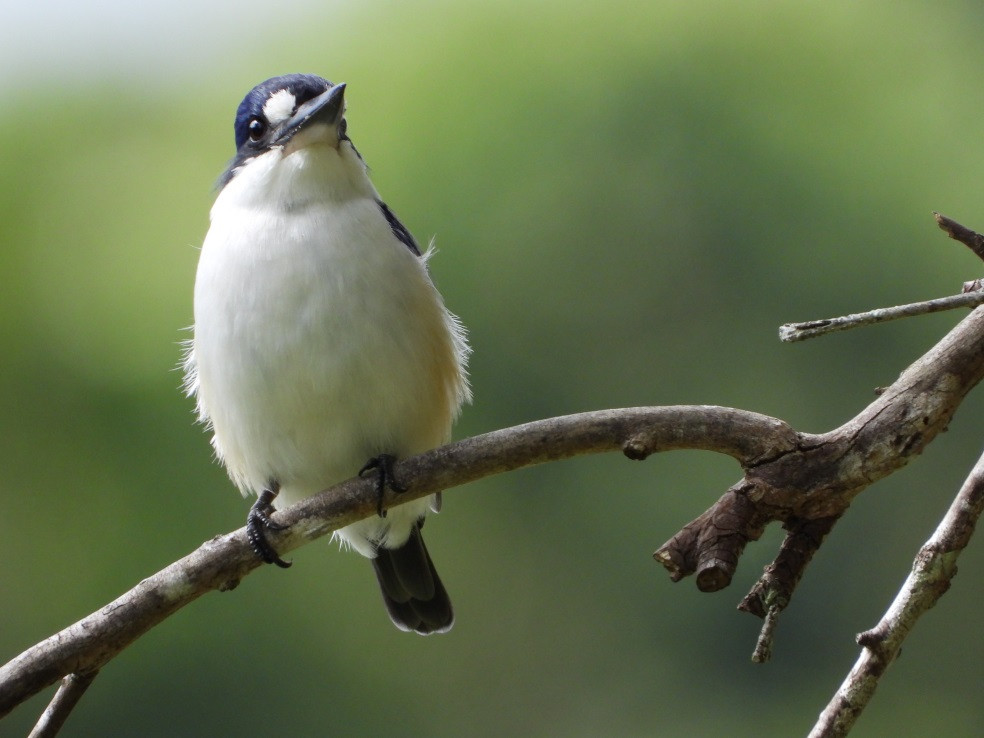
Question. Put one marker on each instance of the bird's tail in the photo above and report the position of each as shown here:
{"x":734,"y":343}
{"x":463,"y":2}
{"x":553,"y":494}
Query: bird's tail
{"x":412,"y":592}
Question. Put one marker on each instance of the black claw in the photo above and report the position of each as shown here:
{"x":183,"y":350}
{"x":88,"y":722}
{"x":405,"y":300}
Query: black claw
{"x":383,"y":466}
{"x":258,"y":522}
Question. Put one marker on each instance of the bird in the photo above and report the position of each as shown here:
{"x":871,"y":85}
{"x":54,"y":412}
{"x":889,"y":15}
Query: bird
{"x":321,"y":347}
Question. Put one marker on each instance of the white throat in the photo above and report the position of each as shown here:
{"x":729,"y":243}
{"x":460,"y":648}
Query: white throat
{"x":289,"y":179}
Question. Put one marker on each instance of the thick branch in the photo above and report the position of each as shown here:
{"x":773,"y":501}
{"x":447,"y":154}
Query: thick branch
{"x":934,"y":567}
{"x":810,"y":486}
{"x":219,"y":564}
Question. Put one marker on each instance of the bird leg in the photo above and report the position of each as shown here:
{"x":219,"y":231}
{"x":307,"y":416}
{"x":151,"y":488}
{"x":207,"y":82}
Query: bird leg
{"x":383,"y":466}
{"x":258,"y":522}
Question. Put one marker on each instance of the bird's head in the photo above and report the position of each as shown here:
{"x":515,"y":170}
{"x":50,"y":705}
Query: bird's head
{"x":287,"y":114}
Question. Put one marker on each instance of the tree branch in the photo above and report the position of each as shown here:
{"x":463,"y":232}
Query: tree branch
{"x":935,"y":565}
{"x":220,"y":564}
{"x":971,"y":239}
{"x":810,"y":486}
{"x":790,"y":332}
{"x":805,"y":481}
{"x":971,"y":296}
{"x":69,"y":693}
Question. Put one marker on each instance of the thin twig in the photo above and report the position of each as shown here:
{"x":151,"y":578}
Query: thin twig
{"x":971,"y":297}
{"x":790,"y":332}
{"x":934,"y":567}
{"x":773,"y":591}
{"x":767,"y":636}
{"x":56,"y":713}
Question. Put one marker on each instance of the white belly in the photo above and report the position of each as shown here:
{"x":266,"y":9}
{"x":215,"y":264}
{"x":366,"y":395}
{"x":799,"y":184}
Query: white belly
{"x":320,"y":342}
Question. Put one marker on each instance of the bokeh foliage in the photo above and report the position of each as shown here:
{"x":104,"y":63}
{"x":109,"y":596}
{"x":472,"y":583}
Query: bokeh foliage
{"x":628,"y":199}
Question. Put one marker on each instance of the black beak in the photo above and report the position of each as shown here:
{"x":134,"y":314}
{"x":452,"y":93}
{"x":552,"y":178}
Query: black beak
{"x":327,"y":108}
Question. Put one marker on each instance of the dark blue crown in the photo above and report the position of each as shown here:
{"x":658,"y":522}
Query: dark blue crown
{"x":303,"y":87}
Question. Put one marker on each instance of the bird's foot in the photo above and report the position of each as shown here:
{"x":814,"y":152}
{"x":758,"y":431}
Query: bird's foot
{"x":258,"y":522}
{"x":383,"y":466}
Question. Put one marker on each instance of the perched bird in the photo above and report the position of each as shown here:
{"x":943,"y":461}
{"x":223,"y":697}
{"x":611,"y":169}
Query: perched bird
{"x":321,"y":347}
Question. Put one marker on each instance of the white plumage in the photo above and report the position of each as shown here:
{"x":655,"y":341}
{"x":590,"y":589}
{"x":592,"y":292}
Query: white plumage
{"x":320,"y":341}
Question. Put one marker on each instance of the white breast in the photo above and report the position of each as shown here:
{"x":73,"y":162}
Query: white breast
{"x":320,"y":340}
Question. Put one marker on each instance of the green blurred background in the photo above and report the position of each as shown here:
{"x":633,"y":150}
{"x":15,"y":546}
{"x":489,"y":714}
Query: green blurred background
{"x":628,"y":199}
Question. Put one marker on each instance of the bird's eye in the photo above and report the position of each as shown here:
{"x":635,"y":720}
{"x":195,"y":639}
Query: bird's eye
{"x":256,"y":129}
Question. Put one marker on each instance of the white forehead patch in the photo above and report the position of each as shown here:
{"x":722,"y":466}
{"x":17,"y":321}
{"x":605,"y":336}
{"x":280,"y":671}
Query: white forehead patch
{"x":279,"y":107}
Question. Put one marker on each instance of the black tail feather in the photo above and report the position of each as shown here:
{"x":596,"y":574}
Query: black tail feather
{"x":413,"y":594}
